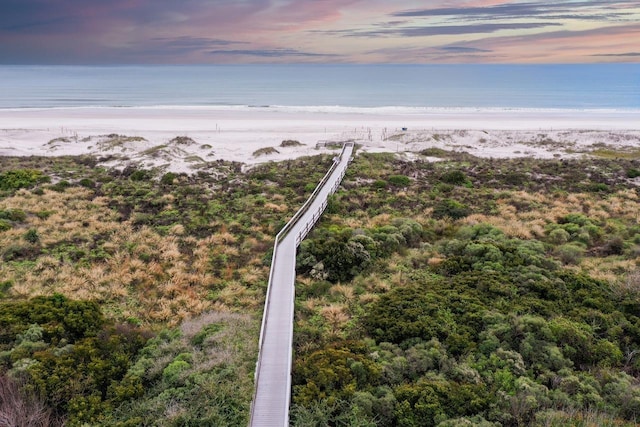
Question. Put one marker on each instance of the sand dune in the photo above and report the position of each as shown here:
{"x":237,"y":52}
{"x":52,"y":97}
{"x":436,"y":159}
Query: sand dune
{"x":187,"y":138}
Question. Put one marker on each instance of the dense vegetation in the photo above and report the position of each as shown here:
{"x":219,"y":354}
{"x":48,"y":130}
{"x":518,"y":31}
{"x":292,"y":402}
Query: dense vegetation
{"x":118,"y":288}
{"x":461,"y":292}
{"x":472,"y":292}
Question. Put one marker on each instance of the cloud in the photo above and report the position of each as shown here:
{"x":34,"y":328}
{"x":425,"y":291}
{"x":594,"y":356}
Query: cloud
{"x":564,"y":46}
{"x":438,"y":30}
{"x":270,"y":53}
{"x":463,"y":49}
{"x":205,"y":31}
{"x":519,"y":10}
{"x":627,"y":54}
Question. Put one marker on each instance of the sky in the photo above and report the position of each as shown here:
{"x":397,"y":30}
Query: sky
{"x":325,"y":31}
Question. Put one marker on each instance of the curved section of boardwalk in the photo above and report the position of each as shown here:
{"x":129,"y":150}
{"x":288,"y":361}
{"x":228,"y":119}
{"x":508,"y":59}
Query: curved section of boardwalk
{"x":273,"y":371}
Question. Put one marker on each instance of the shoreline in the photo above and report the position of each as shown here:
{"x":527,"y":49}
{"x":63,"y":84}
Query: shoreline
{"x":235,"y":134}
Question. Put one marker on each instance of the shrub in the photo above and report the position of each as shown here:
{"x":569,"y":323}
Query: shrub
{"x":399,"y":180}
{"x":18,"y":409}
{"x":31,"y":236}
{"x":265,"y":151}
{"x":570,"y":253}
{"x":17,"y":215}
{"x":87,"y":183}
{"x":139,"y":175}
{"x":290,"y":143}
{"x":633,"y":173}
{"x":450,"y":208}
{"x":168,"y":178}
{"x":455,"y":177}
{"x":61,"y":186}
{"x":559,"y":236}
{"x":21,"y":178}
{"x":379,"y":184}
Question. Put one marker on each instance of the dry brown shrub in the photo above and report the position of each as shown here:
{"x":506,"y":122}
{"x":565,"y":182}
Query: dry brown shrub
{"x":346,"y":292}
{"x":276,"y":208}
{"x":367,"y":298}
{"x":19,"y":410}
{"x":336,"y":317}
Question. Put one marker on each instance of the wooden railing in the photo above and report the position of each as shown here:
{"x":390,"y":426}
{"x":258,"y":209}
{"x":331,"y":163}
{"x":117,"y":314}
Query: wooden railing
{"x":279,"y":237}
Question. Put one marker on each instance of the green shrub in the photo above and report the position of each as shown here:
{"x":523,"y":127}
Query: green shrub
{"x":633,"y":173}
{"x":450,"y":208}
{"x":17,"y":215}
{"x":61,"y":186}
{"x":454,"y":177}
{"x":168,"y":178}
{"x":399,"y":180}
{"x":21,"y":178}
{"x":379,"y":184}
{"x":4,"y":225}
{"x":559,"y":236}
{"x":31,"y":236}
{"x":87,"y":183}
{"x":140,"y":175}
{"x":570,"y":253}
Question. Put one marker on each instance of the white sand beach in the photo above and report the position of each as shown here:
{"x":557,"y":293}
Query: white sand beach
{"x":145,"y":135}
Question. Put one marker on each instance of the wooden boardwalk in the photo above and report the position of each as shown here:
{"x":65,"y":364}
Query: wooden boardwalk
{"x":272,"y":396}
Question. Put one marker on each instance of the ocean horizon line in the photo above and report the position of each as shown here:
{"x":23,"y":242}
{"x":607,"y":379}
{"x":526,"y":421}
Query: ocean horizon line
{"x":331,"y":109}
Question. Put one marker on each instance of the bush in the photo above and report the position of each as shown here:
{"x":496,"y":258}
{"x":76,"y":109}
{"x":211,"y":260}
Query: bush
{"x":17,"y":215}
{"x":87,"y":183}
{"x":455,"y":177}
{"x":4,"y":225}
{"x":140,"y":175}
{"x":61,"y":186}
{"x":633,"y":173}
{"x":265,"y":151}
{"x":31,"y":236}
{"x":450,"y":208}
{"x":168,"y":178}
{"x":399,"y":180}
{"x":570,"y":253}
{"x":21,"y":178}
{"x":290,"y":143}
{"x":67,"y":353}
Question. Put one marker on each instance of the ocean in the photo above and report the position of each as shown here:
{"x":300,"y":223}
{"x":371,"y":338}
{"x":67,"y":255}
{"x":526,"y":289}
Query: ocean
{"x":325,"y":87}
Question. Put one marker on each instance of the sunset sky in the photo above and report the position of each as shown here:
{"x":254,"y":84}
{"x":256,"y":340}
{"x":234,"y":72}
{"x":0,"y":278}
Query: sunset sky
{"x":328,"y":31}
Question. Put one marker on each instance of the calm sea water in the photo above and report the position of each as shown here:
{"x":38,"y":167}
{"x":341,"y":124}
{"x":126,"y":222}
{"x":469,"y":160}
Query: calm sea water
{"x":602,"y":86}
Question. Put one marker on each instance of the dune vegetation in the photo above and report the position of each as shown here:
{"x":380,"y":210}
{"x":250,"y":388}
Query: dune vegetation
{"x":460,"y":292}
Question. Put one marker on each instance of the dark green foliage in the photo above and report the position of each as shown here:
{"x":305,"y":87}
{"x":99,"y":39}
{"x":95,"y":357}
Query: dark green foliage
{"x":67,"y":354}
{"x":335,"y":373}
{"x":31,"y":236}
{"x":399,"y":180}
{"x":139,"y":175}
{"x":633,"y":173}
{"x":60,"y":186}
{"x":87,"y":183}
{"x":193,"y":372}
{"x":450,"y":208}
{"x":21,"y":178}
{"x":337,"y":256}
{"x":477,"y":328}
{"x":16,"y":215}
{"x":455,"y":177}
{"x":168,"y":178}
